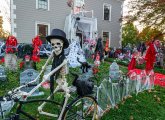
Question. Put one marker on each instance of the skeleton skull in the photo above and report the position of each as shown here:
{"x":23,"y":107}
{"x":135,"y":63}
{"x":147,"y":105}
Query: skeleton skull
{"x":57,"y":45}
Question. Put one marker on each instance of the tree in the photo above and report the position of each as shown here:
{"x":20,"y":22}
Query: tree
{"x":3,"y":34}
{"x":129,"y":34}
{"x":148,"y":33}
{"x":150,"y":13}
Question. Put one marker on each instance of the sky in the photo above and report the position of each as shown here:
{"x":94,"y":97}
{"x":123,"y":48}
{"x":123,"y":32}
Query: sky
{"x":5,"y":12}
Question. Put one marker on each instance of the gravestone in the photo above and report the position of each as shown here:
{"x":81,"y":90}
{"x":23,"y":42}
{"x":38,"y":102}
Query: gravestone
{"x":11,"y":62}
{"x":5,"y":107}
{"x":3,"y":76}
{"x":28,"y":76}
{"x":114,"y":72}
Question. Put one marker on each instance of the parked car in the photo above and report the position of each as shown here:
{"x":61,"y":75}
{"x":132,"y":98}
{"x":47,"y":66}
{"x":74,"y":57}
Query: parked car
{"x":45,"y":50}
{"x":2,"y":49}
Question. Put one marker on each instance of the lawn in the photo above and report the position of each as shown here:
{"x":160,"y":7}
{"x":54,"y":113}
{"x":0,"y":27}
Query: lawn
{"x":144,"y":106}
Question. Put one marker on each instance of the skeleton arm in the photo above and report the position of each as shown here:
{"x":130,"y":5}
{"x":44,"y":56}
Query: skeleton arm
{"x":43,"y":68}
{"x":45,"y":77}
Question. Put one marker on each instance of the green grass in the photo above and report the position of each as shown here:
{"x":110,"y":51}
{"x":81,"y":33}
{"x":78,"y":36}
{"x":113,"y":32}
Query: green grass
{"x":144,"y":106}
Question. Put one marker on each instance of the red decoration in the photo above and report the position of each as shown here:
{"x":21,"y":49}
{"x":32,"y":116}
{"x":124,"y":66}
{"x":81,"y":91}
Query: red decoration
{"x":107,"y":46}
{"x":2,"y":60}
{"x":21,"y":65}
{"x":150,"y":57}
{"x":132,"y":64}
{"x":97,"y":61}
{"x":95,"y":70}
{"x":159,"y":78}
{"x":11,"y":44}
{"x":36,"y":44}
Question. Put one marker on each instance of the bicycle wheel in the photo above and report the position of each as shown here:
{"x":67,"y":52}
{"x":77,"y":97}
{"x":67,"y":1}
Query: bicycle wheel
{"x":82,"y":108}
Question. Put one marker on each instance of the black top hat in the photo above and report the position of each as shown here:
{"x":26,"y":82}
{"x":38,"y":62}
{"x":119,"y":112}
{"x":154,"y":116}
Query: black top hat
{"x":57,"y":33}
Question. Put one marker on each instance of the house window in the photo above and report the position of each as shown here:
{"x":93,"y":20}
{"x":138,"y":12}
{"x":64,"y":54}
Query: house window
{"x":42,"y":4}
{"x":107,"y":12}
{"x":106,"y":36}
{"x":42,"y":30}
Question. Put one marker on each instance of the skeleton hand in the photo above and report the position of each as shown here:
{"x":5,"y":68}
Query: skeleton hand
{"x":45,"y":77}
{"x":63,"y":71}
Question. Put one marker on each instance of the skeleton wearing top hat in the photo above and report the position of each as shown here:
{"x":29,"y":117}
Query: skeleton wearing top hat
{"x":59,"y":43}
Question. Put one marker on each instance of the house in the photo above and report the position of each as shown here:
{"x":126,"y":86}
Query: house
{"x":32,"y":17}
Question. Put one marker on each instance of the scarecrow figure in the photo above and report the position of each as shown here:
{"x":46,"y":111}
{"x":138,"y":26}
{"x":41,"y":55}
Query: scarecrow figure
{"x":59,"y":43}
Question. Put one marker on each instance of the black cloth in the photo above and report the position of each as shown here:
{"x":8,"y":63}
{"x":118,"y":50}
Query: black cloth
{"x":99,"y":49}
{"x":141,"y":47}
{"x":56,"y":62}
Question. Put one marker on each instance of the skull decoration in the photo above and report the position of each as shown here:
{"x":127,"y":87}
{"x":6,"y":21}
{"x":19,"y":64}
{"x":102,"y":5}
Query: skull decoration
{"x":57,"y":45}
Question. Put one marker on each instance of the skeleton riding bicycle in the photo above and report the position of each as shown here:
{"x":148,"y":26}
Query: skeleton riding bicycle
{"x":82,"y":106}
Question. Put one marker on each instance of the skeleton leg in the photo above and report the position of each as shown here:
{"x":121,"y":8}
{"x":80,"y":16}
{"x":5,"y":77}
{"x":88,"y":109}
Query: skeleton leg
{"x":43,"y":104}
{"x":67,"y":95}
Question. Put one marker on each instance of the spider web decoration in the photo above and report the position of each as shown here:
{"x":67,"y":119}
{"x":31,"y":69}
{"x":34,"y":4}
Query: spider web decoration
{"x":75,"y":51}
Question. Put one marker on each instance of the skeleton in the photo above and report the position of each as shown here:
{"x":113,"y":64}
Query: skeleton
{"x":57,"y":45}
{"x":62,"y":84}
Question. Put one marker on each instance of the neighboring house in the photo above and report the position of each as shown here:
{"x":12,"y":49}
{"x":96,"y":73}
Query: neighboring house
{"x":32,"y":17}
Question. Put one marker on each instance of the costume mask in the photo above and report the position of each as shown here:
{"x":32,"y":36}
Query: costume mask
{"x":57,"y":45}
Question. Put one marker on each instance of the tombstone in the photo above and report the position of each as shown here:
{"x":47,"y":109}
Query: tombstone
{"x":11,"y":61}
{"x":5,"y":107}
{"x":3,"y":76}
{"x":114,"y":72}
{"x":28,"y":76}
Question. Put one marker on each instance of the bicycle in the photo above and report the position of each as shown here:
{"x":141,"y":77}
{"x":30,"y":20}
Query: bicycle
{"x":80,"y":107}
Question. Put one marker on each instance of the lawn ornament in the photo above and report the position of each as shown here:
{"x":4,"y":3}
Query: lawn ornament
{"x":10,"y":57}
{"x":27,"y":63}
{"x":3,"y":76}
{"x":99,"y":49}
{"x":36,"y":42}
{"x":59,"y":43}
{"x":114,"y":72}
{"x":151,"y":55}
{"x":97,"y":60}
{"x":11,"y":45}
{"x":84,"y":66}
{"x":106,"y":48}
